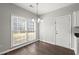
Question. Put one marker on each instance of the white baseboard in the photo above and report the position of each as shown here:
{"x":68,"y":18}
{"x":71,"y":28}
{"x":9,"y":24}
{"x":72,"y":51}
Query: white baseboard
{"x":47,"y":42}
{"x":54,"y":43}
{"x":17,"y":47}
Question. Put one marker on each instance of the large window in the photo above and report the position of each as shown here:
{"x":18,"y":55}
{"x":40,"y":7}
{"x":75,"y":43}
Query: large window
{"x":31,"y":30}
{"x":23,"y":30}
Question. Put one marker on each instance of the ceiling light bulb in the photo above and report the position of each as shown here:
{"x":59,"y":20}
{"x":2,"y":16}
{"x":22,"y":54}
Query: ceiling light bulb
{"x":38,"y":20}
{"x":33,"y":20}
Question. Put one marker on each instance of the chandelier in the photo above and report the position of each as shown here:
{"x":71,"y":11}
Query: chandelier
{"x":37,"y":16}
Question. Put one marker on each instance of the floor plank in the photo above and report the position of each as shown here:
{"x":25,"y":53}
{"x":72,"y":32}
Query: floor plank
{"x":41,"y":48}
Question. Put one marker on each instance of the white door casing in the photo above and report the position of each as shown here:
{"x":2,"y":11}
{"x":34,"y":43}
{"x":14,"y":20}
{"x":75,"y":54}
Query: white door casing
{"x":63,"y":31}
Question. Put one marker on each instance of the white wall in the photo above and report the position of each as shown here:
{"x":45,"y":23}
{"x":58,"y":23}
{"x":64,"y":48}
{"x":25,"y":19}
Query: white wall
{"x":6,"y":10}
{"x":47,"y":29}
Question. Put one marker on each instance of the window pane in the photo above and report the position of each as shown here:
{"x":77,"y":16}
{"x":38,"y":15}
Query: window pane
{"x":19,"y":30}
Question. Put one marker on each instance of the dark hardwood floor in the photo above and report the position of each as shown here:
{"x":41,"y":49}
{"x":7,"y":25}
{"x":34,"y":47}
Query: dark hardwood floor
{"x":41,"y":48}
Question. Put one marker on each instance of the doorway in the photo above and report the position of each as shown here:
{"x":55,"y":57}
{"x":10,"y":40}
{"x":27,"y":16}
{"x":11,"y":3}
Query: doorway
{"x":63,"y":31}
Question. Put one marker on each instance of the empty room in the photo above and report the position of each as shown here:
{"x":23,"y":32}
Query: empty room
{"x":39,"y":28}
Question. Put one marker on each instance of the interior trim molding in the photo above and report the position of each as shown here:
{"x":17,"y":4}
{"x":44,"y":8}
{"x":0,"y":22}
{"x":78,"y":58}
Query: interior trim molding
{"x":47,"y":42}
{"x":54,"y":44}
{"x":18,"y":47}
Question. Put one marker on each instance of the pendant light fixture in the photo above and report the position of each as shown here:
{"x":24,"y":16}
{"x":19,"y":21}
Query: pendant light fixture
{"x":37,"y":16}
{"x":38,"y":19}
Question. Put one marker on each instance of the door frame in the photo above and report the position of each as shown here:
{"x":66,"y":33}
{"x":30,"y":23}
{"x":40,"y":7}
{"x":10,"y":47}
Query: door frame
{"x":70,"y":44}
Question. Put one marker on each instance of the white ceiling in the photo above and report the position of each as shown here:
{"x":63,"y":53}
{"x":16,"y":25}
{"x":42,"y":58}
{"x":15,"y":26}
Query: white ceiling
{"x":42,"y":7}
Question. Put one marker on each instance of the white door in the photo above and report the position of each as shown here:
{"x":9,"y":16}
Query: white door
{"x":63,"y":31}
